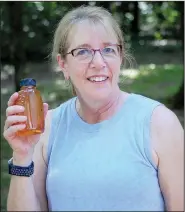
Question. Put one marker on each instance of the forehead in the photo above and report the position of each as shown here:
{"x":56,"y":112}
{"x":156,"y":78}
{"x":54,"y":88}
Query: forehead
{"x":95,"y":35}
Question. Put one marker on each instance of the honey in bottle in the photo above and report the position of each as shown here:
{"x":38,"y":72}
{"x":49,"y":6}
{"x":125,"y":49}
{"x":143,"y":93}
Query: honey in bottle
{"x":30,"y":98}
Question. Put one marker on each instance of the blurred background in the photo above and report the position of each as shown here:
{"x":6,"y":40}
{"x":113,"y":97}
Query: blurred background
{"x":154,"y":35}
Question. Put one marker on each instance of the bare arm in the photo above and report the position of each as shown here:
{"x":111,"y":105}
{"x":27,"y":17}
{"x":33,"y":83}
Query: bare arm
{"x":29,"y":193}
{"x":168,"y":141}
{"x":40,"y":158}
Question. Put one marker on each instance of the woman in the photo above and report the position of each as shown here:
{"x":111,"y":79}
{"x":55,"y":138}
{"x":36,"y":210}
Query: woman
{"x":104,"y":149}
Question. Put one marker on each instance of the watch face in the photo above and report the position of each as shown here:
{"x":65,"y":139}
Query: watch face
{"x":10,"y":162}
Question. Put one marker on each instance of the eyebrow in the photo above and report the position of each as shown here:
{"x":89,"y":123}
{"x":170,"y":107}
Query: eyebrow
{"x":85,"y":45}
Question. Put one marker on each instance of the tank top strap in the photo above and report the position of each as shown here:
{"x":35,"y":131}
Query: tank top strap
{"x":56,"y":119}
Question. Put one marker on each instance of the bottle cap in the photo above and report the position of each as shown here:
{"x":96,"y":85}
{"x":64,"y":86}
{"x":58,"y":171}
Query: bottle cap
{"x":27,"y":82}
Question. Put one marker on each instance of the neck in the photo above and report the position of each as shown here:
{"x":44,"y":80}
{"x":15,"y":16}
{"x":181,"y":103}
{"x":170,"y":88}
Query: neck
{"x":96,"y":112}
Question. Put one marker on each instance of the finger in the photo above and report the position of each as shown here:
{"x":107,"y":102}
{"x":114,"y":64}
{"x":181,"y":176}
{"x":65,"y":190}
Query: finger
{"x":11,"y":131}
{"x":45,"y":106}
{"x":11,"y":110}
{"x":12,"y":99}
{"x":11,"y":120}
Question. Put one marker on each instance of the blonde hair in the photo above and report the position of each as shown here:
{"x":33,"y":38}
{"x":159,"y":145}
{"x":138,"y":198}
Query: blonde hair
{"x":91,"y":13}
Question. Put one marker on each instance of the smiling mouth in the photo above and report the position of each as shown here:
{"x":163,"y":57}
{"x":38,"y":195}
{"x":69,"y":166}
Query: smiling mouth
{"x":97,"y":79}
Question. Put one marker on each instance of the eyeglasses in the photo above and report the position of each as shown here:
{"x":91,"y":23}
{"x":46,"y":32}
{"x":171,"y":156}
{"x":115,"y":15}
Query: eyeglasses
{"x":86,"y":55}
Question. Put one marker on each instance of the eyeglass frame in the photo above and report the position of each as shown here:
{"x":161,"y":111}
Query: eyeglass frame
{"x":94,"y":50}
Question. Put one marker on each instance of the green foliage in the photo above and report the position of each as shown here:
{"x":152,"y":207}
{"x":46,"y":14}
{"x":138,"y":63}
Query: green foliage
{"x":161,"y":18}
{"x":155,"y":81}
{"x":156,"y":19}
{"x":39,"y":22}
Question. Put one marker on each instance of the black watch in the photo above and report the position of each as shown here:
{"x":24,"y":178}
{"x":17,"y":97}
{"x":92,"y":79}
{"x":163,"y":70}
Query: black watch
{"x":20,"y":170}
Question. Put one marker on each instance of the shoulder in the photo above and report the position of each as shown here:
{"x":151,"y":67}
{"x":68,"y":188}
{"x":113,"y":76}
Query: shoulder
{"x":52,"y":117}
{"x":166,"y":130}
{"x":164,"y":119}
{"x":143,"y":104}
{"x":45,"y":136}
{"x":55,"y":114}
{"x":144,"y":100}
{"x":143,"y":107}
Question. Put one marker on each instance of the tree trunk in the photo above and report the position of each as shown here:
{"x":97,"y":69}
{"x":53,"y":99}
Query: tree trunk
{"x":178,"y":98}
{"x":135,"y":22}
{"x":17,"y":54}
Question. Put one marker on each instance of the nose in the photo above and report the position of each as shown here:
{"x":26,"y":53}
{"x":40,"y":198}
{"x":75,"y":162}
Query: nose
{"x":98,"y":60}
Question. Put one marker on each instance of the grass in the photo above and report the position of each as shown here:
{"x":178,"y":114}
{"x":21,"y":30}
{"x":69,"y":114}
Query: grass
{"x":156,"y":81}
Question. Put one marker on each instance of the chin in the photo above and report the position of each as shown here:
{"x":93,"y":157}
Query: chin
{"x":99,"y":95}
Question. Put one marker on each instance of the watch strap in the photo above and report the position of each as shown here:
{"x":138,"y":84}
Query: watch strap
{"x":20,"y":170}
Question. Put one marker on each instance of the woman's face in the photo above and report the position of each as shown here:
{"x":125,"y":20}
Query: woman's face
{"x":96,"y":77}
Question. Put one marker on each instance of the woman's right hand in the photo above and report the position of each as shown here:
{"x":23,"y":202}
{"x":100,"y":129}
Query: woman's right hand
{"x":22,"y":146}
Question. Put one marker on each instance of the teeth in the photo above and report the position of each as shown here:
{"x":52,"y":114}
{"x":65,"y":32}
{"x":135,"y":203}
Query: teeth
{"x":97,"y":79}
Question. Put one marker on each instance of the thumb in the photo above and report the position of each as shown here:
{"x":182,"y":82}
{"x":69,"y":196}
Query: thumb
{"x":45,"y":106}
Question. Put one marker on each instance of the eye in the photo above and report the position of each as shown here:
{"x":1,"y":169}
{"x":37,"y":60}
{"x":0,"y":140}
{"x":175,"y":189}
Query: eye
{"x":109,"y":50}
{"x":82,"y":52}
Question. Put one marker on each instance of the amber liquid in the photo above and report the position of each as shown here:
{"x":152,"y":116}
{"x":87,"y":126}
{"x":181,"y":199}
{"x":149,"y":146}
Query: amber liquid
{"x":30,"y":98}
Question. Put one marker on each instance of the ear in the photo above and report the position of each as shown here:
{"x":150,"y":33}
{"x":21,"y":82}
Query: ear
{"x":62,"y":64}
